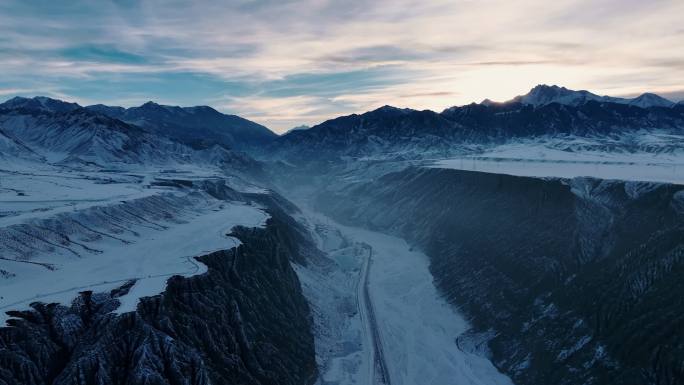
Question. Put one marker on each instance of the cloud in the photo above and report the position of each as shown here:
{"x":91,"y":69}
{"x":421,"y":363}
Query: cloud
{"x":301,"y":109}
{"x":288,"y":62}
{"x":14,"y":91}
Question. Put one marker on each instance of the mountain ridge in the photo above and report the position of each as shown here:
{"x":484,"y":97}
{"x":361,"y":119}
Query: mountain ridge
{"x":197,"y":126}
{"x":406,"y":133}
{"x":51,"y":131}
{"x":546,"y":94}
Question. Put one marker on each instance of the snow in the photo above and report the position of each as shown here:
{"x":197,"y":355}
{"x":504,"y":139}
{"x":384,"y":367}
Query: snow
{"x":150,"y":259}
{"x":330,"y":285}
{"x":417,"y":327}
{"x":651,"y":100}
{"x":565,"y":353}
{"x":654,"y":161}
{"x":26,"y":195}
{"x":173,"y":253}
{"x":116,"y":227}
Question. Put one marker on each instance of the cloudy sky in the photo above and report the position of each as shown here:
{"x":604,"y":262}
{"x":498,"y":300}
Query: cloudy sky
{"x":284,"y":63}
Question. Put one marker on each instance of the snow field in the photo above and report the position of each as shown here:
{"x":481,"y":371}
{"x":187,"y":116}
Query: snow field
{"x":70,"y":232}
{"x":417,"y":327}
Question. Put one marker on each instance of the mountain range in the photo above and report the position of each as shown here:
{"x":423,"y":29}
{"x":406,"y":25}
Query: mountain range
{"x":401,"y":133}
{"x":157,"y":133}
{"x":199,"y":127}
{"x":386,"y":131}
{"x":59,"y":132}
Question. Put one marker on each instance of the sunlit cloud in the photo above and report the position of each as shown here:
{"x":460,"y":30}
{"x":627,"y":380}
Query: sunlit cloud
{"x":285,"y":63}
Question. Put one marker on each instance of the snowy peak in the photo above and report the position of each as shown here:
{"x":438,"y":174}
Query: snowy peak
{"x":543,"y":94}
{"x":297,"y":128}
{"x":651,"y":100}
{"x":387,"y":109}
{"x":42,"y":103}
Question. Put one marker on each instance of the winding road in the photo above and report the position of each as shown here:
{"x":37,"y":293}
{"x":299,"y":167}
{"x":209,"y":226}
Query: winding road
{"x":378,"y":366}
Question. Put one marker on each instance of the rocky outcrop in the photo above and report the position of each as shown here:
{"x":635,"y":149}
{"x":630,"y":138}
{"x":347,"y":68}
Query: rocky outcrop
{"x":243,"y":322}
{"x":572,"y":282}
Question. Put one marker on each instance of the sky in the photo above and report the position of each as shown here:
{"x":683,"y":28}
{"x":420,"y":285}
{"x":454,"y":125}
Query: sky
{"x":284,"y":63}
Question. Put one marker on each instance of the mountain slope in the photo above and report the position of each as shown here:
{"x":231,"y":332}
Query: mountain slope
{"x":10,"y":149}
{"x":42,"y":129}
{"x":81,"y":135}
{"x":383,"y":130}
{"x":651,"y":100}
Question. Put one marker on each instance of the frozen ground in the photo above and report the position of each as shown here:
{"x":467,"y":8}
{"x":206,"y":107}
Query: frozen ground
{"x":63,"y":231}
{"x":655,"y":158}
{"x":29,"y":191}
{"x":330,"y":283}
{"x":417,"y":328}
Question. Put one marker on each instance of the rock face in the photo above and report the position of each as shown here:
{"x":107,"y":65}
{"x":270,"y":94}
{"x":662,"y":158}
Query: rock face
{"x":573,"y":281}
{"x":243,"y":322}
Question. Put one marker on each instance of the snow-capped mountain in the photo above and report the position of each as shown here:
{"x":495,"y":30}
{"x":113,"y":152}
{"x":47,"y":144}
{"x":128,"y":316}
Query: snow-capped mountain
{"x":48,"y":130}
{"x":390,"y":132}
{"x":39,"y":103}
{"x":199,"y":127}
{"x":542,"y":95}
{"x":79,"y":135}
{"x":651,"y":100}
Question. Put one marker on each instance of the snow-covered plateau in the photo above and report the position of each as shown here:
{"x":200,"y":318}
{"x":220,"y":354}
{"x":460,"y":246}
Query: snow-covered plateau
{"x":64,"y":231}
{"x":650,"y":158}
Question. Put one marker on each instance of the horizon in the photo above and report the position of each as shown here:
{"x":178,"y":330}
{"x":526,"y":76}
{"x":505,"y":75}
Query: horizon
{"x":286,"y":64}
{"x":300,"y":126}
